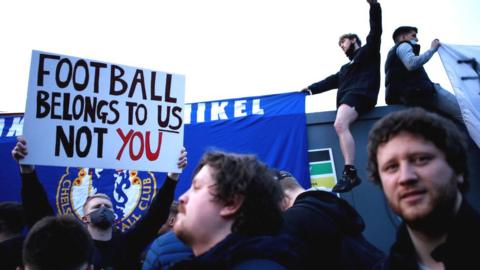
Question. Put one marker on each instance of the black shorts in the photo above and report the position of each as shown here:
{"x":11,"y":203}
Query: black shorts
{"x":360,"y":103}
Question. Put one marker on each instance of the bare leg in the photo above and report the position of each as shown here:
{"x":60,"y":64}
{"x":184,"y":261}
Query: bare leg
{"x":346,"y":115}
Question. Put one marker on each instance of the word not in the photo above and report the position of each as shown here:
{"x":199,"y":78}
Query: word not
{"x":72,"y":143}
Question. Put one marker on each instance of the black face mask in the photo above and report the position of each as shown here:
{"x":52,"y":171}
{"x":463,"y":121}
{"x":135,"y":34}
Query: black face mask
{"x":102,"y":218}
{"x":350,"y":51}
{"x":416,"y":49}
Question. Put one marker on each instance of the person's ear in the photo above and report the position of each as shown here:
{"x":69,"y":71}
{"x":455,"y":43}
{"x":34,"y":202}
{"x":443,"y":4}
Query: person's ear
{"x":286,"y":202}
{"x":85,"y":219}
{"x":460,"y":179}
{"x":357,"y":45}
{"x":171,"y":221}
{"x":232,"y":206}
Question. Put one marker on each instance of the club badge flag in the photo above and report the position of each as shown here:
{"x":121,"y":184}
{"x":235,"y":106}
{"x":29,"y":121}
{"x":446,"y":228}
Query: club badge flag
{"x":322,"y":168}
{"x":88,"y":113}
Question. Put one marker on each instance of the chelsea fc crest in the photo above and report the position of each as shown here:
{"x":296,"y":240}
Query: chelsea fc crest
{"x":131,"y":192}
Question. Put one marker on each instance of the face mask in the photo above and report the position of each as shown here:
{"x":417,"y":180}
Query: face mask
{"x":350,"y":51}
{"x":414,"y":41}
{"x":102,"y":218}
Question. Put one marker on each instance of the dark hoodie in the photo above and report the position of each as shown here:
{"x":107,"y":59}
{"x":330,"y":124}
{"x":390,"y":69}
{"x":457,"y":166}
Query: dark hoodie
{"x":458,"y":252}
{"x":361,"y":76}
{"x":332,"y":232}
{"x":238,"y":252}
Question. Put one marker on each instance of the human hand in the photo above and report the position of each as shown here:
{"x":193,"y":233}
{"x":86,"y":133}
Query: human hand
{"x":19,"y":152}
{"x":306,"y":91}
{"x":435,"y":44}
{"x":182,"y":163}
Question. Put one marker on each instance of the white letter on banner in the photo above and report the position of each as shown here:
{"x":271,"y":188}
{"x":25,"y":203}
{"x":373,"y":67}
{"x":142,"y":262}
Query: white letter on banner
{"x":187,"y":113}
{"x":256,"y":107}
{"x":218,"y":111}
{"x":16,"y":128}
{"x":239,"y":108}
{"x":200,"y":112}
{"x":2,"y":124}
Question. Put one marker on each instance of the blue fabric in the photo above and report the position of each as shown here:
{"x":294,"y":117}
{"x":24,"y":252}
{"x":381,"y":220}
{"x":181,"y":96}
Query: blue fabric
{"x":278,"y":137}
{"x":164,"y":251}
{"x":271,"y":127}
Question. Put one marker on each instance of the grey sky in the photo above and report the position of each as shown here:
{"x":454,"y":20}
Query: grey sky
{"x":226,"y":49}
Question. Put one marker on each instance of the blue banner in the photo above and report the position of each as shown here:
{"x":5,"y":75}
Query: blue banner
{"x":271,"y":127}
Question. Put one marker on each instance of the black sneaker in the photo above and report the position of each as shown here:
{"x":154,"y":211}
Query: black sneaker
{"x":346,"y":184}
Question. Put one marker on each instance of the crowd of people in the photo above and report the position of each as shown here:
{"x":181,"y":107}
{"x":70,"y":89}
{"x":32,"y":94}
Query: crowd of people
{"x":240,"y":213}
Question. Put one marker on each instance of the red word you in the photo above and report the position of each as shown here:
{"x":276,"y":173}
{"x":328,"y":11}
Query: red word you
{"x":136,"y":153}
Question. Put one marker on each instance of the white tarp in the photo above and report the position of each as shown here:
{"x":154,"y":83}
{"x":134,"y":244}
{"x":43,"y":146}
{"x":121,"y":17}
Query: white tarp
{"x":462,"y":65}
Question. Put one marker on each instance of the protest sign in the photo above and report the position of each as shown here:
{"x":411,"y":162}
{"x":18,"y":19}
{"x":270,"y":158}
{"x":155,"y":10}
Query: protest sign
{"x":93,"y":114}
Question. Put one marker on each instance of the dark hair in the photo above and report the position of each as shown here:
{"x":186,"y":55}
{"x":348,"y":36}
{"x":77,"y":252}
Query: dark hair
{"x":350,"y":36}
{"x":174,"y":208}
{"x":402,"y":30}
{"x":430,"y":126}
{"x":244,"y":175}
{"x":57,"y":243}
{"x":12,"y":219}
{"x":287,"y":180}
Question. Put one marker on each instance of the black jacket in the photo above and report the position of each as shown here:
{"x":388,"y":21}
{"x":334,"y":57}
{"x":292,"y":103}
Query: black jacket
{"x":458,"y":252}
{"x":403,"y":86}
{"x":11,"y":253}
{"x":332,"y":232}
{"x":124,"y":249}
{"x":240,"y":252}
{"x":361,"y":75}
